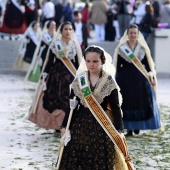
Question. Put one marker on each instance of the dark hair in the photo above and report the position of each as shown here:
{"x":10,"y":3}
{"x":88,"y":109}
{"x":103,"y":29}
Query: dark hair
{"x":97,"y":50}
{"x":75,"y":13}
{"x":149,"y":9}
{"x":86,"y":5}
{"x":33,"y":23}
{"x":49,"y":23}
{"x":65,"y":23}
{"x":132,"y":26}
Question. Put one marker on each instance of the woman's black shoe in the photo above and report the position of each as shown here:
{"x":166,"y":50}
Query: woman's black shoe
{"x":136,"y":132}
{"x":57,"y":133}
{"x":129,"y":133}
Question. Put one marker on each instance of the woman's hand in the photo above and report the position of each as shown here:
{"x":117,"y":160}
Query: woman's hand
{"x":151,"y":78}
{"x":152,"y":81}
{"x":63,"y":130}
{"x":122,"y":135}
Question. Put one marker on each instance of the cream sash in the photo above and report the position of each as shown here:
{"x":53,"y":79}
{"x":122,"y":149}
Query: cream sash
{"x":127,"y":51}
{"x":104,"y":120}
{"x":64,"y":59}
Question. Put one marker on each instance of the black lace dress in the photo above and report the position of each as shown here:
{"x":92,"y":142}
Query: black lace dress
{"x":59,"y":78}
{"x":90,"y":148}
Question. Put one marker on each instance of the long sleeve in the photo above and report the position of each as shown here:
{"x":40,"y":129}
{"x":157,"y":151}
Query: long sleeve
{"x":146,"y":23}
{"x":113,"y":100}
{"x":76,"y":62}
{"x":120,"y":62}
{"x":145,"y":63}
{"x":50,"y":62}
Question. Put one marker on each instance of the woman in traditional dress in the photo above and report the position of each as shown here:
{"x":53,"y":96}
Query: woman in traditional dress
{"x":48,"y":34}
{"x":30,"y":42}
{"x":90,"y":146}
{"x":13,"y":18}
{"x":47,"y":39}
{"x":31,"y":10}
{"x":52,"y":95}
{"x":33,"y":37}
{"x":136,"y":77}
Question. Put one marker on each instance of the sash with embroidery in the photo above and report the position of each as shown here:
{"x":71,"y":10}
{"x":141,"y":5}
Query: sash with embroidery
{"x":127,"y":51}
{"x":64,"y":59}
{"x":103,"y":119}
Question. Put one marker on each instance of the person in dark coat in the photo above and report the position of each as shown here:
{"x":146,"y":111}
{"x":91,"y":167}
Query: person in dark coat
{"x":156,"y":18}
{"x":68,"y":12}
{"x":109,"y":28}
{"x":146,"y":22}
{"x":58,"y":13}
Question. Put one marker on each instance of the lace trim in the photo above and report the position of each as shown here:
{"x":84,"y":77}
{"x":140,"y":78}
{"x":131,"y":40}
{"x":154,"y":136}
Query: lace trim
{"x":139,"y":53}
{"x":104,"y":88}
{"x":69,"y":49}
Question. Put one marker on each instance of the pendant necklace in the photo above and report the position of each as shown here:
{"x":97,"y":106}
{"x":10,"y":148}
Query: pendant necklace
{"x":133,"y":49}
{"x":91,"y":86}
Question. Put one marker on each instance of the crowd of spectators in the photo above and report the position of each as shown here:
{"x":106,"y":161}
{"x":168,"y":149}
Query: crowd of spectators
{"x":109,"y":19}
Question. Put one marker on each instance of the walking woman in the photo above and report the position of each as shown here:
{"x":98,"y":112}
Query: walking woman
{"x":52,"y":95}
{"x":28,"y":46}
{"x":12,"y":19}
{"x":47,"y":36}
{"x":136,"y":77}
{"x":92,"y":145}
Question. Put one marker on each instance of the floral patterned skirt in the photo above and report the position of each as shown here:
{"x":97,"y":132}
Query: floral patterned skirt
{"x":90,"y":148}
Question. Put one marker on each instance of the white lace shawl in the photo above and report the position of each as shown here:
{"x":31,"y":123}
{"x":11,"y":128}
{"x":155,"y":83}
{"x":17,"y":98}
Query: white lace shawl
{"x":105,"y":86}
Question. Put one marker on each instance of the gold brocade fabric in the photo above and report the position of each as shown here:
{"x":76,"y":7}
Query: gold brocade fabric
{"x":120,"y":163}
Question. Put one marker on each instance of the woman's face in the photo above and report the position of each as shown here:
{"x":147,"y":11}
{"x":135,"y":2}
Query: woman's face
{"x":52,"y":26}
{"x":133,"y":34}
{"x":67,"y":31}
{"x":93,"y":62}
{"x":36,"y":26}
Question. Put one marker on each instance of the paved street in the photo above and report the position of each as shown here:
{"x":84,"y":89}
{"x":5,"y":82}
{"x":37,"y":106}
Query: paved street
{"x":24,"y":146}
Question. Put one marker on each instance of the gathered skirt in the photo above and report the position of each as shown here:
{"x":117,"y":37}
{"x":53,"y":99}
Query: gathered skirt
{"x":140,"y":109}
{"x":90,"y":148}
